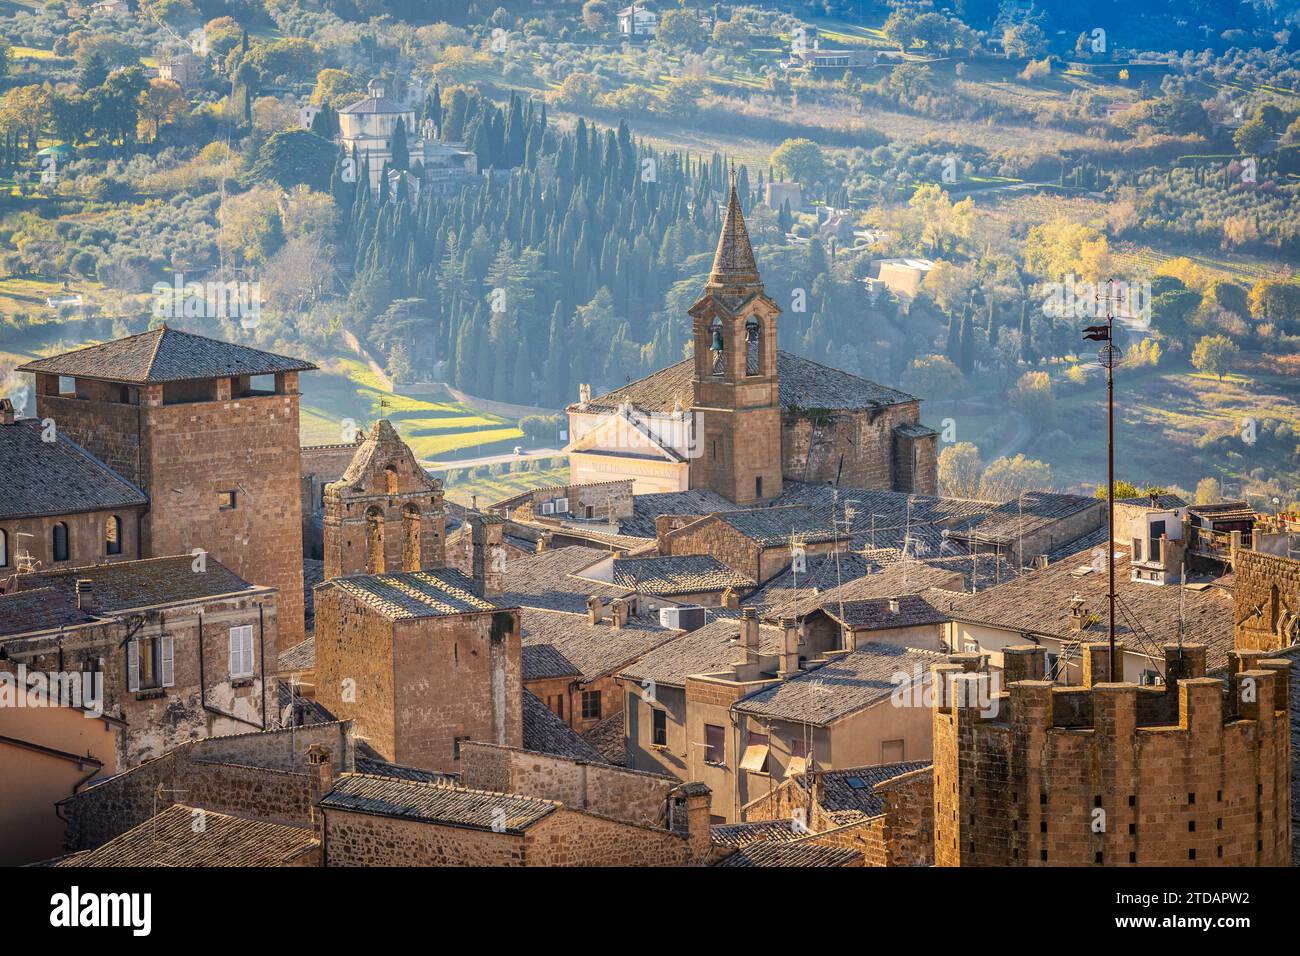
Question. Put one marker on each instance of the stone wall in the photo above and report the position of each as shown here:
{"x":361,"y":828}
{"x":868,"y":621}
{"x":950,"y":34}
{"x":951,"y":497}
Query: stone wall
{"x":266,"y":783}
{"x":572,"y":838}
{"x":815,"y":440}
{"x":1266,"y":596}
{"x":626,"y":795}
{"x":354,"y":667}
{"x":359,"y":839}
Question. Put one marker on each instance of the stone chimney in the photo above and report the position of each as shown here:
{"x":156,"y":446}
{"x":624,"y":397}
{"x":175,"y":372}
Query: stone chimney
{"x":730,"y":599}
{"x":487,"y":554}
{"x":748,"y":636}
{"x":691,"y":800}
{"x":789,"y":664}
{"x":543,"y":542}
{"x":320,"y":772}
{"x":595,"y":609}
{"x":618,"y":613}
{"x":7,"y":413}
{"x":85,"y":594}
{"x":584,"y":393}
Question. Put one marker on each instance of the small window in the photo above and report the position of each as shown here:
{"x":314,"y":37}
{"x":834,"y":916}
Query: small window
{"x":113,"y":535}
{"x":591,"y":705}
{"x":241,"y":651}
{"x":758,"y":486}
{"x":150,"y":663}
{"x":60,"y":542}
{"x":67,"y":386}
{"x":227,"y":500}
{"x":715,"y":748}
{"x":660,"y":730}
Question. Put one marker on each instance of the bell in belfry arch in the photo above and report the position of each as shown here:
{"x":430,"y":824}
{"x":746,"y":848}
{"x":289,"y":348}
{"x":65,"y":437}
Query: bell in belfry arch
{"x":751,"y":331}
{"x":716,"y":345}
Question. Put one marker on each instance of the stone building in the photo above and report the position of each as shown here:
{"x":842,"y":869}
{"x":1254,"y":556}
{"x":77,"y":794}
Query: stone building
{"x":208,"y":430}
{"x":886,"y":812}
{"x":422,"y":661}
{"x":61,"y":505}
{"x":741,"y":416}
{"x":384,"y":513}
{"x":742,"y":706}
{"x":321,"y":464}
{"x":515,"y":808}
{"x":185,"y":649}
{"x":1189,"y":773}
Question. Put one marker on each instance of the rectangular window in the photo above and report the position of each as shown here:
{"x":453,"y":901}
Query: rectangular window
{"x":226,"y":500}
{"x":757,"y":753}
{"x":150,"y":663}
{"x":660,"y":733}
{"x":758,"y":486}
{"x":241,"y":651}
{"x":715,"y":746}
{"x":591,"y":705}
{"x":67,"y":386}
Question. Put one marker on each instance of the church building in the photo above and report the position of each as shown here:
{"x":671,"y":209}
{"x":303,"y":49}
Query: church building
{"x":741,"y":416}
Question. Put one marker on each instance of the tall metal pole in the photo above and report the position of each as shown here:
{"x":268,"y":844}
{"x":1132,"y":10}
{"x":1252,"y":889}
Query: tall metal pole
{"x":1110,"y":485}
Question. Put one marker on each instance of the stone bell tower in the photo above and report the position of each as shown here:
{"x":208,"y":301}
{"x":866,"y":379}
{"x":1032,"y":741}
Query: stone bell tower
{"x":737,"y":402}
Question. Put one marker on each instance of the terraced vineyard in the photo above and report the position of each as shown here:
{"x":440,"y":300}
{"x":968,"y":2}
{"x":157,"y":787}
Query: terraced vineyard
{"x":345,"y":389}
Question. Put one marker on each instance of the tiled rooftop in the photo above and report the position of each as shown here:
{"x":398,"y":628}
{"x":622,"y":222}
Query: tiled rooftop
{"x":562,"y":644}
{"x":414,"y":594}
{"x":803,"y":384}
{"x":1038,"y":602}
{"x":701,"y":651}
{"x":677,"y":574}
{"x":825,"y":694}
{"x":801,"y":854}
{"x":39,"y":609}
{"x":169,"y":838}
{"x":57,"y":477}
{"x":547,"y":734}
{"x":436,"y":803}
{"x":125,"y":585}
{"x":165,"y":355}
{"x":547,"y":580}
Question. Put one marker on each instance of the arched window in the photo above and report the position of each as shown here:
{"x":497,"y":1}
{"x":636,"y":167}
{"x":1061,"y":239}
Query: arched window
{"x":410,"y":538}
{"x":4,"y":549}
{"x":374,"y":541}
{"x":60,"y":542}
{"x":390,"y":480}
{"x":716,"y":347}
{"x":753,"y":347}
{"x":113,"y":535}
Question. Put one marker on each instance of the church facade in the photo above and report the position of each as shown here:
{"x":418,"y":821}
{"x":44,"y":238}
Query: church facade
{"x":741,"y":416}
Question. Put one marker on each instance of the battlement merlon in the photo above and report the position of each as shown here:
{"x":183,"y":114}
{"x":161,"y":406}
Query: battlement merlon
{"x":1020,"y":698}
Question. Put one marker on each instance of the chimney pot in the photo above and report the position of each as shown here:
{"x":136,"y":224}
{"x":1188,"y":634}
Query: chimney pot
{"x":85,"y":594}
{"x":619,"y":610}
{"x":7,"y":414}
{"x":595,"y":609}
{"x":789,"y":663}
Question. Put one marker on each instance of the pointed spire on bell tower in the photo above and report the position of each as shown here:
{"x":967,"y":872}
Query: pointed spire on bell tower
{"x":734,"y":270}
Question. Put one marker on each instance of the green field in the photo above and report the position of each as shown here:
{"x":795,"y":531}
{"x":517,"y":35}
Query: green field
{"x":346,"y":389}
{"x":497,"y":487}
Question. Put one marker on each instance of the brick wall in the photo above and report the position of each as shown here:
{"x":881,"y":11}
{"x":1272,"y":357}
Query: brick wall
{"x":1025,"y":788}
{"x":86,"y":540}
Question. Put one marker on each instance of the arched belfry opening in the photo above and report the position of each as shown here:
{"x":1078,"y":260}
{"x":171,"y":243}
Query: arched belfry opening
{"x":374,"y":540}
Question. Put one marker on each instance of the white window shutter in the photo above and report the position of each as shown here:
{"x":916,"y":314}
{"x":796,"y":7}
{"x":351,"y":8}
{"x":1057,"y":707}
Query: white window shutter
{"x":241,"y":651}
{"x":133,"y":665}
{"x":234,"y":652}
{"x":167,"y":660}
{"x":246,"y":637}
